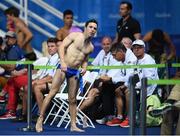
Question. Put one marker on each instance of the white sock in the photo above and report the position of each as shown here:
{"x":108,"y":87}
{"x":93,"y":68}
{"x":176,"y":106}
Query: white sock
{"x":119,"y":116}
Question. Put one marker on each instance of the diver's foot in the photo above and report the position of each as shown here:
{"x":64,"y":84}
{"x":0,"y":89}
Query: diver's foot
{"x":39,"y":127}
{"x":76,"y":129}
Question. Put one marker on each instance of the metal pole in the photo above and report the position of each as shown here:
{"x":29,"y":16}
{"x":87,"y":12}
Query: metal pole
{"x":132,"y":107}
{"x":26,"y":11}
{"x":168,"y":65}
{"x":21,"y":11}
{"x":143,"y":106}
{"x":29,"y":101}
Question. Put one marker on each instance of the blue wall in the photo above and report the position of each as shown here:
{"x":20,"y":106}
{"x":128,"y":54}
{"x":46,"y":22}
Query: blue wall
{"x":152,"y":14}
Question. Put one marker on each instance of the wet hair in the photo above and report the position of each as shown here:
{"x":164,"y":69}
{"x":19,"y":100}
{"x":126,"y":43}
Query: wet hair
{"x":118,"y":47}
{"x":67,"y":12}
{"x":12,"y":11}
{"x":158,"y":35}
{"x":129,"y":5}
{"x":91,"y":21}
{"x":53,"y":40}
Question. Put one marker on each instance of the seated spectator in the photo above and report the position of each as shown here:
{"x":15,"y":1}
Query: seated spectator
{"x":11,"y":52}
{"x":153,"y":101}
{"x":160,"y":46}
{"x":2,"y":54}
{"x":41,"y":84}
{"x":102,"y":91}
{"x":138,"y":48}
{"x":20,"y":80}
{"x":42,"y":78}
{"x":2,"y":79}
{"x":12,"y":87}
{"x":120,"y":77}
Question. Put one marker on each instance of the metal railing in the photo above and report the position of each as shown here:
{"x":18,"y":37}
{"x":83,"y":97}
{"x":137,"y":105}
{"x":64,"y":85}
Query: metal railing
{"x":33,"y":25}
{"x":25,"y":13}
{"x":54,"y":11}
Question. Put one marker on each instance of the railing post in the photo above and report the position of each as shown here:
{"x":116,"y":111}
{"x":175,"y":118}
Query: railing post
{"x":143,"y":106}
{"x":168,"y":65}
{"x":26,"y":11}
{"x":29,"y":101}
{"x":21,"y":11}
{"x":132,"y":107}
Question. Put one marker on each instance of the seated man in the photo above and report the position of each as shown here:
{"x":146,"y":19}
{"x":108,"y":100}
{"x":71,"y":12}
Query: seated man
{"x":43,"y":78}
{"x":21,"y":79}
{"x":120,"y":77}
{"x":41,"y":84}
{"x":12,"y":52}
{"x":138,"y":48}
{"x":103,"y":87}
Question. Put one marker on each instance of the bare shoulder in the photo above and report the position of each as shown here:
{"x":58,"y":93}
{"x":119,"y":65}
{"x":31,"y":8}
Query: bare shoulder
{"x":91,"y":47}
{"x":76,"y":35}
{"x":60,"y":30}
{"x":59,"y":34}
{"x":20,"y":23}
{"x":147,"y":36}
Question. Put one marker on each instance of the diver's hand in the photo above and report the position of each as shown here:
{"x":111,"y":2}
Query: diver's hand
{"x":63,"y":67}
{"x":83,"y":71}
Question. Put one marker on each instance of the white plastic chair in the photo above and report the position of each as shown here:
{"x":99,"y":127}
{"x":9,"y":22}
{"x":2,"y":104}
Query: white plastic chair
{"x":87,"y":78}
{"x":61,"y":101}
{"x":56,"y":103}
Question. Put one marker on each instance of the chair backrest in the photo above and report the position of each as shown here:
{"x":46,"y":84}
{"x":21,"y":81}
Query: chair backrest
{"x":41,"y":61}
{"x":90,"y":77}
{"x":85,"y":76}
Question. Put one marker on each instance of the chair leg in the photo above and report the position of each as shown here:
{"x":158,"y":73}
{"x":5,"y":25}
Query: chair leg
{"x":56,"y":114}
{"x":63,"y":117}
{"x":50,"y":112}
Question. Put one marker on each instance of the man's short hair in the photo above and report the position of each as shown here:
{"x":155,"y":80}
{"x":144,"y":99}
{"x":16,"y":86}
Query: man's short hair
{"x":53,"y":40}
{"x":129,"y":5}
{"x":91,"y":21}
{"x":107,"y":37}
{"x":118,"y":47}
{"x":12,"y":11}
{"x":67,"y":12}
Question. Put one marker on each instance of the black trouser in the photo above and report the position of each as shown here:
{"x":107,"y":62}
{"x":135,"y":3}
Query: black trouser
{"x":104,"y":103}
{"x":107,"y":96}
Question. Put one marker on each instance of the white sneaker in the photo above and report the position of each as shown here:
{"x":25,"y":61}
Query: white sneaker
{"x":102,"y":121}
